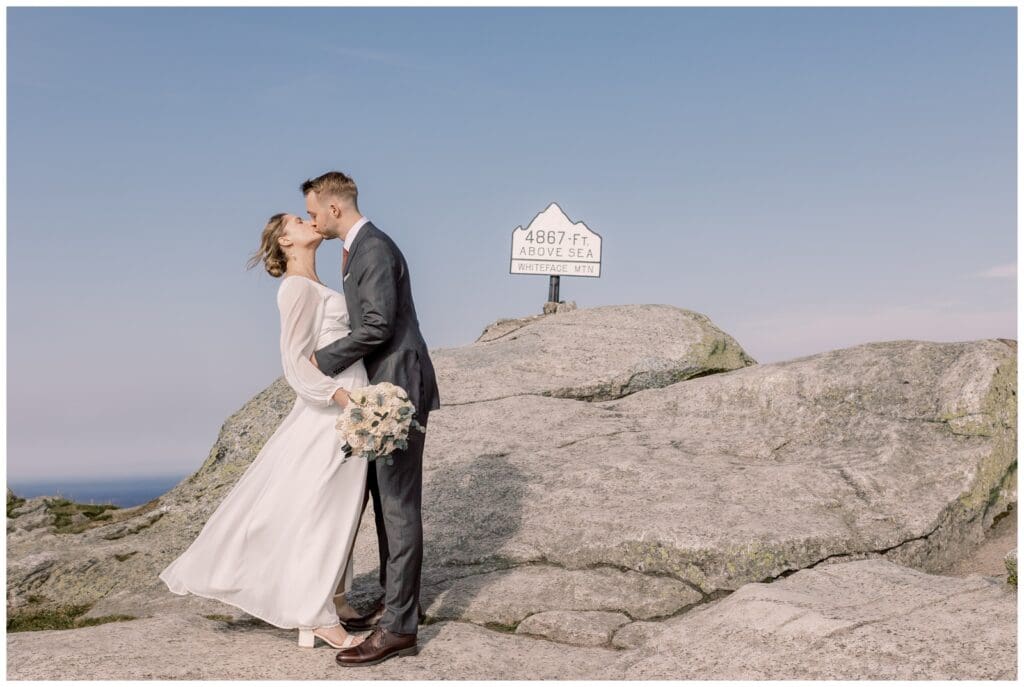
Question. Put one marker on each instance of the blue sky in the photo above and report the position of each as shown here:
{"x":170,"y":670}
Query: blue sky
{"x":809,"y":178}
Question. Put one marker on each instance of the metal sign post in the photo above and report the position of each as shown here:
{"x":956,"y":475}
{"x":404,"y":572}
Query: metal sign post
{"x":553,"y":289}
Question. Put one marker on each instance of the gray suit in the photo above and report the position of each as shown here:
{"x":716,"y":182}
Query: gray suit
{"x":386,"y":335}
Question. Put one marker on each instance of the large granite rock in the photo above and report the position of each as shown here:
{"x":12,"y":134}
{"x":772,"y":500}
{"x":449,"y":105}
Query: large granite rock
{"x":869,"y":619}
{"x":108,"y":563}
{"x":898,"y":449}
{"x":576,"y":507}
{"x":587,"y":354}
{"x":865,"y":620}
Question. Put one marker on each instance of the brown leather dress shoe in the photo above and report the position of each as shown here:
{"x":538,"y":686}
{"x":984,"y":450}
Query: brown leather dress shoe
{"x":369,"y":621}
{"x":381,"y":645}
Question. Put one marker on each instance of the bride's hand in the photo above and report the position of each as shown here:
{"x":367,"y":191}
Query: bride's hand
{"x":312,"y":359}
{"x":341,"y":397}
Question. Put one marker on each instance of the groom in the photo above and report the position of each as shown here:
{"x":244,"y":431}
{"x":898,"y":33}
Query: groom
{"x":386,"y":335}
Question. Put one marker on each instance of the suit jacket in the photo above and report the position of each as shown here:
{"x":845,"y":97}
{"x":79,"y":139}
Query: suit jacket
{"x":385,"y":331}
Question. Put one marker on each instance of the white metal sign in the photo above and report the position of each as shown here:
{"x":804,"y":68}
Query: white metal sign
{"x":553,"y":244}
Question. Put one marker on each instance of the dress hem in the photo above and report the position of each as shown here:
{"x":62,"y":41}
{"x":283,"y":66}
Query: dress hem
{"x":245,"y":610}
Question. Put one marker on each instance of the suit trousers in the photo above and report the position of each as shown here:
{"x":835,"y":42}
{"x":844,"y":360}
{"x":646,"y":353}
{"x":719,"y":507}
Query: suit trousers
{"x":397,"y":493}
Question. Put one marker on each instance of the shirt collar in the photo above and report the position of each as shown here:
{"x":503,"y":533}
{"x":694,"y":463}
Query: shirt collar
{"x":351,"y":236}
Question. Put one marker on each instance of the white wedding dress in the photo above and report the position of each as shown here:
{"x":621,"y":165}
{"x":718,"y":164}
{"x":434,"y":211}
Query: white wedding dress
{"x":280,"y":541}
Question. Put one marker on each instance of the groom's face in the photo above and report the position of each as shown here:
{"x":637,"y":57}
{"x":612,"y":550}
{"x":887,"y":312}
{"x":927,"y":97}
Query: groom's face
{"x":321,"y":216}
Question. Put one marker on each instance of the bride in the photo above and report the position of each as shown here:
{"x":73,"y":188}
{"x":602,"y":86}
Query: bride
{"x":280,"y":542}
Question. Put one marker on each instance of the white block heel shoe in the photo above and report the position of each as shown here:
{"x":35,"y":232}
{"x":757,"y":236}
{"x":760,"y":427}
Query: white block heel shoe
{"x":307,"y":640}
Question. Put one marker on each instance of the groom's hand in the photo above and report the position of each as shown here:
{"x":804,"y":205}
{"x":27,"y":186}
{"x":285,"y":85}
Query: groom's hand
{"x":312,"y":359}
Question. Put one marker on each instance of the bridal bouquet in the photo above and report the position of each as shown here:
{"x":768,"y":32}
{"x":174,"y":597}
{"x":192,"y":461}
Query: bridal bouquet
{"x":376,"y":421}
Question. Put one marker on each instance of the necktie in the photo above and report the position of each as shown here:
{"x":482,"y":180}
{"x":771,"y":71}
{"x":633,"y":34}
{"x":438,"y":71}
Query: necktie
{"x":344,"y":258}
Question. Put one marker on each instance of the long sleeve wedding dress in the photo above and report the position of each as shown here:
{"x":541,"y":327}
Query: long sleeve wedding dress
{"x":280,"y":541}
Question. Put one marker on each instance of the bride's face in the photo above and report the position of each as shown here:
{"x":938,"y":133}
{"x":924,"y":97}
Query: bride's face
{"x":301,"y":233}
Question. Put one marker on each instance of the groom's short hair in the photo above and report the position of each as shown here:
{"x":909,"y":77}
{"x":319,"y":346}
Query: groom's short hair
{"x":333,"y":184}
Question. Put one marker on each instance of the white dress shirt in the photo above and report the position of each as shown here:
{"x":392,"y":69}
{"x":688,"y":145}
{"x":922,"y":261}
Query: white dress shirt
{"x":351,"y":236}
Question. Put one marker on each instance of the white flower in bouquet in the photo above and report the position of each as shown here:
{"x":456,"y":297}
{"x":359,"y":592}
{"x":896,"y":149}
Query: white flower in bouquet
{"x":376,"y":422}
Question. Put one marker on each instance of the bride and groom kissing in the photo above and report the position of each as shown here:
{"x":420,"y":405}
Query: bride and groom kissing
{"x":279,"y":545}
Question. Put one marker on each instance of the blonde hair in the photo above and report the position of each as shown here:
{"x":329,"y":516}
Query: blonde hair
{"x":334,"y":184}
{"x":270,"y":251}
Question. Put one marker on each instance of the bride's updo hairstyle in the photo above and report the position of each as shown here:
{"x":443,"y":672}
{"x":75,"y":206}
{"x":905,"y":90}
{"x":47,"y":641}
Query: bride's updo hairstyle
{"x":270,"y":252}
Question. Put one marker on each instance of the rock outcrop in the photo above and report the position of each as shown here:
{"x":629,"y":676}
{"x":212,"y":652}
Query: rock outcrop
{"x":598,"y":478}
{"x":589,"y":354}
{"x":865,"y":620}
{"x":118,"y":562}
{"x":870,"y":619}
